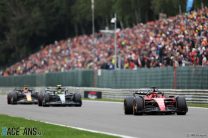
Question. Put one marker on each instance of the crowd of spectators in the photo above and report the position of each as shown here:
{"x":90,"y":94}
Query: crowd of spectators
{"x":176,"y":41}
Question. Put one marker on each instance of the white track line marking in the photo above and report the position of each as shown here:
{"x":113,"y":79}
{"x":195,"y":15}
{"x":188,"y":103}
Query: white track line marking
{"x":89,"y":130}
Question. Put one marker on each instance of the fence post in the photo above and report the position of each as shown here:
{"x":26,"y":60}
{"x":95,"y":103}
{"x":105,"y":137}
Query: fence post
{"x":174,"y":76}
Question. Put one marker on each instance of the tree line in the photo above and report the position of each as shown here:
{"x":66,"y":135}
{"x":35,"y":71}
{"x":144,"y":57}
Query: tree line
{"x":27,"y":25}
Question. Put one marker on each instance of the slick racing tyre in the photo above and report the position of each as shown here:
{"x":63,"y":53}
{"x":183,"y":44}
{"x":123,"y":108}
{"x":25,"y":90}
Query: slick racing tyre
{"x":138,"y":106}
{"x":182,"y":107}
{"x":78,"y":99}
{"x":128,"y":105}
{"x":13,"y":98}
{"x":9,"y":98}
{"x":45,"y":100}
{"x":40,"y":99}
{"x":35,"y":95}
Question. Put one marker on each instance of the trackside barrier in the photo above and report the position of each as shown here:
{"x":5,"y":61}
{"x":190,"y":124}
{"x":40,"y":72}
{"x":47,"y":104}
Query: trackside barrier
{"x":165,"y":78}
{"x":192,"y":95}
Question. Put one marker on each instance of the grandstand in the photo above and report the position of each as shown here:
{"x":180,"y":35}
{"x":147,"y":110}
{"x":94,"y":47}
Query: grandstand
{"x":176,"y":41}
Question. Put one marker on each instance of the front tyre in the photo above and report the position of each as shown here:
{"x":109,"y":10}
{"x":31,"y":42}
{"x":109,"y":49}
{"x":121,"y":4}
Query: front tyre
{"x":78,"y":99}
{"x":182,"y":107}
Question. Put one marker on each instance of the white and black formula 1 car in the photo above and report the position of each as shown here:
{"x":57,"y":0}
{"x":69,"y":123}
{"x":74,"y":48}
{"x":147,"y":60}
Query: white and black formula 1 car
{"x":23,"y":95}
{"x":154,"y":102}
{"x":59,"y":96}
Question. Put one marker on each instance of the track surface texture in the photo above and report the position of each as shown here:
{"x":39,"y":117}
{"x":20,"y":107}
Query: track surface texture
{"x":109,"y":117}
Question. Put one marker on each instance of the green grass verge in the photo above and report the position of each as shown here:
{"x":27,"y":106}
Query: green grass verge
{"x":205,"y":105}
{"x":120,"y":100}
{"x":47,"y":130}
{"x":2,"y":93}
{"x":103,"y":99}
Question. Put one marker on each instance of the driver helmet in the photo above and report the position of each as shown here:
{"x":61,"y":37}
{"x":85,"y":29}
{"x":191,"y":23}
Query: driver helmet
{"x":58,"y":87}
{"x":25,"y":89}
{"x":154,"y":94}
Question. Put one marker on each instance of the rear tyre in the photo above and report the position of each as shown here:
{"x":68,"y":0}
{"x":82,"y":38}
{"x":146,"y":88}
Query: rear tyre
{"x":78,"y":99}
{"x":35,"y":95}
{"x":138,"y":106}
{"x":40,"y":99}
{"x":128,"y":105}
{"x":9,"y":98}
{"x":13,"y":98}
{"x":182,"y":107}
{"x":45,"y":100}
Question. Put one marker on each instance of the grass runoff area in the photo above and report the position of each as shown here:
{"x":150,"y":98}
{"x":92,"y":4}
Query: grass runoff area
{"x":205,"y":105}
{"x":17,"y":127}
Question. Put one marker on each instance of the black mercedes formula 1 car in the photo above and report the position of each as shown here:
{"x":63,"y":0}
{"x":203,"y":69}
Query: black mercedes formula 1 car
{"x":59,"y":96}
{"x":23,"y":95}
{"x":154,"y":101}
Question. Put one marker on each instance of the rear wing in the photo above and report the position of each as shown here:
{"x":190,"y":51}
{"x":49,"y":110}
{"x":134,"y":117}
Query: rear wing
{"x":145,"y":91}
{"x":140,"y":92}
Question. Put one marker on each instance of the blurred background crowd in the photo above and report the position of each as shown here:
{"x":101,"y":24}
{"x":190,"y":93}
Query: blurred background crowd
{"x":181,"y":40}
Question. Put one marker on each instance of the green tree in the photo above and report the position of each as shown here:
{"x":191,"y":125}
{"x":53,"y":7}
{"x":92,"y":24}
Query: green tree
{"x":27,"y":24}
{"x":169,"y":7}
{"x":81,"y":15}
{"x":103,"y":13}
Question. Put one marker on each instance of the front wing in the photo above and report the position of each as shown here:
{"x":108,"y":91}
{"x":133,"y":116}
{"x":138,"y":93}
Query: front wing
{"x":25,"y":101}
{"x":154,"y":109}
{"x":57,"y":103}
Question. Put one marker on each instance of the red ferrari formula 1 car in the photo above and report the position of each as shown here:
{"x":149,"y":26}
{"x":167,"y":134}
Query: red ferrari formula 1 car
{"x":154,"y":101}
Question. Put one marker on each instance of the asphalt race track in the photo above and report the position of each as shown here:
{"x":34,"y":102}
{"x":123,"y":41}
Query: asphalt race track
{"x":109,"y":117}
